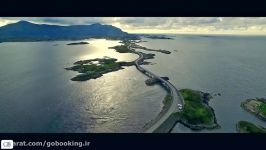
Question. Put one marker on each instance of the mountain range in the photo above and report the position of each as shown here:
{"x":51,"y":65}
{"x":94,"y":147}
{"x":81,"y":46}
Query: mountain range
{"x":27,"y":31}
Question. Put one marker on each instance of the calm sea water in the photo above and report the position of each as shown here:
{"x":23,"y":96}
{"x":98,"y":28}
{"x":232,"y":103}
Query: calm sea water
{"x":37,"y":95}
{"x":231,"y":65}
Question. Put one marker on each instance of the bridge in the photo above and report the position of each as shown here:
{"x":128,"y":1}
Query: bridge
{"x":177,"y":98}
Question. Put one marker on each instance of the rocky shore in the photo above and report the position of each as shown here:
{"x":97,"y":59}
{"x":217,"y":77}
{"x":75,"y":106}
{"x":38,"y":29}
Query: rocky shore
{"x":197,"y":114}
{"x":248,"y":127}
{"x":256,"y":107}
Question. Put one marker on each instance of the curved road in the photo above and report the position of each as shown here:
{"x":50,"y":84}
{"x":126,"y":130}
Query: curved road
{"x":176,"y":95}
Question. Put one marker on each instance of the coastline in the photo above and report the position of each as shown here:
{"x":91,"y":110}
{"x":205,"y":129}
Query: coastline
{"x":177,"y":117}
{"x":172,"y":118}
{"x":252,"y":108}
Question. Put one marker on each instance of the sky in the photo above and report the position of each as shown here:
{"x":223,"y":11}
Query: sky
{"x":175,"y":25}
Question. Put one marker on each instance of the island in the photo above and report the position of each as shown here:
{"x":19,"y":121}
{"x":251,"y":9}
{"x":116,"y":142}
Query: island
{"x":256,"y":106}
{"x":196,"y":114}
{"x":78,"y":43}
{"x":95,"y":68}
{"x":248,"y":127}
{"x":121,"y":49}
{"x":157,"y":36}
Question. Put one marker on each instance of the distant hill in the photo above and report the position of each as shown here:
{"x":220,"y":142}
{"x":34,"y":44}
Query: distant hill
{"x":27,"y":31}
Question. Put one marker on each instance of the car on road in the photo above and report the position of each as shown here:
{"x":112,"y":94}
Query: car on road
{"x":180,"y":107}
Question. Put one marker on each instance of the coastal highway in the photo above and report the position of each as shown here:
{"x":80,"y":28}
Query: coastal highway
{"x":176,"y":95}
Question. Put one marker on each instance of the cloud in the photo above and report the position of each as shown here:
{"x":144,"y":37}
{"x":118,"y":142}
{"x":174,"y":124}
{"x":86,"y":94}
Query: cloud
{"x":161,"y":24}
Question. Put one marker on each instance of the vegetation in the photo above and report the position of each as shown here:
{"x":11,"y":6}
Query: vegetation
{"x":196,"y":114}
{"x":248,"y":127}
{"x":94,"y":68}
{"x":262,"y":108}
{"x":35,"y":32}
{"x":167,"y":100}
{"x":256,"y":106}
{"x":121,"y":49}
{"x":195,"y":110}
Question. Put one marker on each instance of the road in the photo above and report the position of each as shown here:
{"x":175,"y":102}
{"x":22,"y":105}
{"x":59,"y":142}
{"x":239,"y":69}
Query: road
{"x":176,"y":95}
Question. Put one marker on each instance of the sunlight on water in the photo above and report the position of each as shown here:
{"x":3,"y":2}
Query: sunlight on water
{"x":37,"y":95}
{"x":101,"y":46}
{"x":44,"y":99}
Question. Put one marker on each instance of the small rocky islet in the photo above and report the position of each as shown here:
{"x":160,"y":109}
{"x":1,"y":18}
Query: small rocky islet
{"x":256,"y":107}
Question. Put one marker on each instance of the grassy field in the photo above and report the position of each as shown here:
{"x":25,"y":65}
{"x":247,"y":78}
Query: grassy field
{"x":262,"y":108}
{"x":195,"y":112}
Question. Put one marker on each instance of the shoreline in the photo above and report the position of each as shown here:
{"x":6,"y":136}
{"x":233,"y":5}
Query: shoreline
{"x":170,"y":114}
{"x":251,"y":107}
{"x":176,"y":118}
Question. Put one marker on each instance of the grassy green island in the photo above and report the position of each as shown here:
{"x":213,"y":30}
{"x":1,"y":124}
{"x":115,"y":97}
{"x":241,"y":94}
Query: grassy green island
{"x":121,"y":49}
{"x":256,"y":106}
{"x":95,"y":68}
{"x":197,"y":114}
{"x":248,"y":127}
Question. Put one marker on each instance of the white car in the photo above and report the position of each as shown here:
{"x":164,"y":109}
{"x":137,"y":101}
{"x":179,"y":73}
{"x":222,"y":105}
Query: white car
{"x":180,"y":107}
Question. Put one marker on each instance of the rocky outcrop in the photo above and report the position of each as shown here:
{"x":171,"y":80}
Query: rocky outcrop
{"x":256,"y":107}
